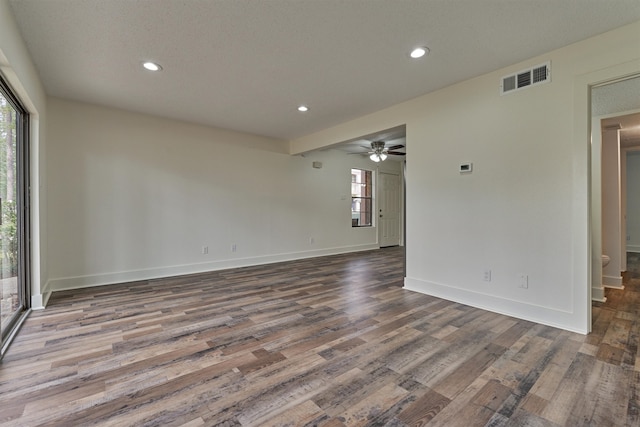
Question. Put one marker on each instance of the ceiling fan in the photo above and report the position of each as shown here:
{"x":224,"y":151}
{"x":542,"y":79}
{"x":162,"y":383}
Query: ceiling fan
{"x":379,"y":152}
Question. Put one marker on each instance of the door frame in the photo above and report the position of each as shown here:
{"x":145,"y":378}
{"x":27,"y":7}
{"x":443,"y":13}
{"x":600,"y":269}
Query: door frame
{"x":23,"y":214}
{"x":584,"y":263}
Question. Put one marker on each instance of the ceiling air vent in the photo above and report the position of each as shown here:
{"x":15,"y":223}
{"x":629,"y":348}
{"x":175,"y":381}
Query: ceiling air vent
{"x":531,"y":77}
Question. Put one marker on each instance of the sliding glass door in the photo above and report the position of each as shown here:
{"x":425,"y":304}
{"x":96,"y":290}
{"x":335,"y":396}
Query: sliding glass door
{"x":13,"y":213}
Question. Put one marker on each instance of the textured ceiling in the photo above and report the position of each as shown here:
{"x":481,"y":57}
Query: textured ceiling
{"x":246,"y":65}
{"x":619,"y":97}
{"x":615,"y":98}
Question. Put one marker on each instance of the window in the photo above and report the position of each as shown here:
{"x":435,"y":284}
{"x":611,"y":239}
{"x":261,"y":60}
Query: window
{"x":361,"y":198}
{"x":14,"y":214}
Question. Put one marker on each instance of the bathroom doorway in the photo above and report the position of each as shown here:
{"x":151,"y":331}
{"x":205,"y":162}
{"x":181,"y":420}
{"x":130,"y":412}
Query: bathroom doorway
{"x":615,"y":131}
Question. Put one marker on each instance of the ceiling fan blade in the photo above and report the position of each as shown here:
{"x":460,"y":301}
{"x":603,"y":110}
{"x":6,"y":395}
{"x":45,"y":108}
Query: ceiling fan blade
{"x":396,"y":147}
{"x":396,"y":153}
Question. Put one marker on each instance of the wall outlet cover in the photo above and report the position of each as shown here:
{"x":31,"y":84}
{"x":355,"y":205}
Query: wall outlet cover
{"x":466,"y":167}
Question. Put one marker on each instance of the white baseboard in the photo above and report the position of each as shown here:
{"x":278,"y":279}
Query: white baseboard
{"x":633,"y":248}
{"x":534,"y":313}
{"x":77,"y":282}
{"x":614,"y":282}
{"x":597,"y":294}
{"x":39,"y":301}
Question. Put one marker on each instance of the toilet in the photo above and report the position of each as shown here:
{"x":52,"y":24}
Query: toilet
{"x":605,"y":260}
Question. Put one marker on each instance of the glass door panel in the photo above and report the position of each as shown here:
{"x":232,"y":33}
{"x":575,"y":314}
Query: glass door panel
{"x":11,"y":295}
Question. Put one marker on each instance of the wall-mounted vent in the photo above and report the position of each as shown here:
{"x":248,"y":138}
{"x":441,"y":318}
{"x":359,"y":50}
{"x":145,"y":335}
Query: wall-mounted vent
{"x":526,"y":78}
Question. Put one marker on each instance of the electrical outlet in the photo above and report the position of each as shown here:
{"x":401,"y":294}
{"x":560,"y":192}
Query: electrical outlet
{"x":523,"y":281}
{"x":628,"y":238}
{"x":205,"y":250}
{"x":234,"y":248}
{"x":487,"y":275}
{"x":311,"y":240}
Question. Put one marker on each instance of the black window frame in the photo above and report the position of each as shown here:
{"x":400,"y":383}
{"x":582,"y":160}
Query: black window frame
{"x":364,"y":217}
{"x":23,"y":215}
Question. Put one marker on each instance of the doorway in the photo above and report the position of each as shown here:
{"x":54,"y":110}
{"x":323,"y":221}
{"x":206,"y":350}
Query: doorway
{"x":390,"y":180}
{"x":614,"y":104}
{"x":14,"y":215}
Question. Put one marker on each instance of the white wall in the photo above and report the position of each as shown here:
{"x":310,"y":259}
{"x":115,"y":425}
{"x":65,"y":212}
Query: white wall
{"x":633,"y":201}
{"x":134,"y":197}
{"x":611,"y":205}
{"x":525,"y":208}
{"x":18,"y":69}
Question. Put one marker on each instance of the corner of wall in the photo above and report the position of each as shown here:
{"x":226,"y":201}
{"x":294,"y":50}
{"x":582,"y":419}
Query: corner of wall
{"x":39,"y":301}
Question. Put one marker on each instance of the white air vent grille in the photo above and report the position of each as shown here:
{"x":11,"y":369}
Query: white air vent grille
{"x":540,"y":74}
{"x":508,"y":83}
{"x":524,"y":79}
{"x":531,"y":77}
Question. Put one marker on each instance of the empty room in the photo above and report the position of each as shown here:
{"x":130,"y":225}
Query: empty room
{"x":319,"y":213}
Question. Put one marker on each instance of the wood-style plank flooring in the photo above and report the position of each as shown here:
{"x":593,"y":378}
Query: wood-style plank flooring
{"x":330,"y":341}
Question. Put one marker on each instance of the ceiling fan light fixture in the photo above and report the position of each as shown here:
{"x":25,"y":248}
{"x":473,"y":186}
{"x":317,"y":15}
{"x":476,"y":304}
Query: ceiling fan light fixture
{"x":419,"y":52}
{"x":379,"y":153}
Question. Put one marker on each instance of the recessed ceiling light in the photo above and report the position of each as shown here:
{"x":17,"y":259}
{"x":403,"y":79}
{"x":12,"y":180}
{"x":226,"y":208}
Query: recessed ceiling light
{"x":303,"y":108}
{"x":152,"y":66}
{"x":419,"y":52}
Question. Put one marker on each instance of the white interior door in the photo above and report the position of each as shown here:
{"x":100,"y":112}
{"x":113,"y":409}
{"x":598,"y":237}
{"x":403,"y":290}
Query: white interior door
{"x":389,"y":209}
